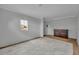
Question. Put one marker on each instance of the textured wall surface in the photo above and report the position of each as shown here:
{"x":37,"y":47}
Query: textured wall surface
{"x":78,"y":31}
{"x":69,"y":23}
{"x":10,"y":31}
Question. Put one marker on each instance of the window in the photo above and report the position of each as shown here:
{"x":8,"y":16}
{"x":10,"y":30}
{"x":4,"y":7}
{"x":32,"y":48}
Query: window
{"x":24,"y":25}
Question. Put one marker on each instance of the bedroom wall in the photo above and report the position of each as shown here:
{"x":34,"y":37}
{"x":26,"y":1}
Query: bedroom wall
{"x":10,"y":31}
{"x":78,"y":30}
{"x":69,"y":23}
{"x":42,"y":28}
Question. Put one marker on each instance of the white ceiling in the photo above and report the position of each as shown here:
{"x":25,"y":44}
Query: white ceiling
{"x":48,"y":11}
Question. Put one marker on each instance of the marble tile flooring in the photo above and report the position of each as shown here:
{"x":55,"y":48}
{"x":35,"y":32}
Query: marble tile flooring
{"x":70,"y":40}
{"x":40,"y":46}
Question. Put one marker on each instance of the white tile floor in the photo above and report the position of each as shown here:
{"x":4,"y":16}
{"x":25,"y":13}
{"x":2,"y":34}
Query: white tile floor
{"x":40,"y":46}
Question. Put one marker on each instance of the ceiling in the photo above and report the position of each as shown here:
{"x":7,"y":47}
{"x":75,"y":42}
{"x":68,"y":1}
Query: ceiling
{"x":49,"y":11}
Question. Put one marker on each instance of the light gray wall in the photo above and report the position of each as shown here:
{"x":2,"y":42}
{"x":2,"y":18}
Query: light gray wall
{"x":42,"y":28}
{"x":10,"y":31}
{"x":78,"y":30}
{"x":69,"y":23}
{"x":47,"y":30}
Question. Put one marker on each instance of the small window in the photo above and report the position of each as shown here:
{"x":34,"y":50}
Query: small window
{"x":24,"y":25}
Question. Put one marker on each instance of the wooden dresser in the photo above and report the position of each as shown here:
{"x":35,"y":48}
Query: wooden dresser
{"x":61,"y":33}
